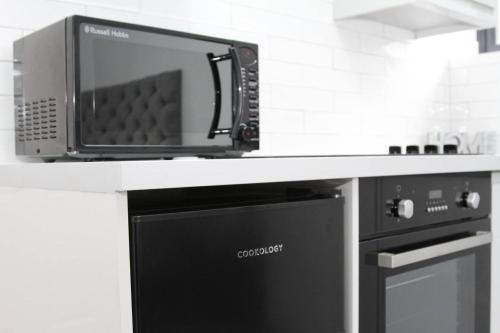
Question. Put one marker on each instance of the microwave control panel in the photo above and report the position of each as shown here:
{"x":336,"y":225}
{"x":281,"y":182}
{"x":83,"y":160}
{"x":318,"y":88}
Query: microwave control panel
{"x":249,"y":127}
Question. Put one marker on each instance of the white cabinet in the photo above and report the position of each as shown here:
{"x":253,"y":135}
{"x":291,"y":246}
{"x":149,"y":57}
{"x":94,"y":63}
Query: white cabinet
{"x":423,"y":17}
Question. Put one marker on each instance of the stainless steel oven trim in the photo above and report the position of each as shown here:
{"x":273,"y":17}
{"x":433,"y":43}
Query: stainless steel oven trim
{"x":392,"y":260}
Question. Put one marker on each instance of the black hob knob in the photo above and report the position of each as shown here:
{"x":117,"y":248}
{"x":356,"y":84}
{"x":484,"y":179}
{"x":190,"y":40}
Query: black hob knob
{"x":395,"y":150}
{"x":412,"y":150}
{"x":430,"y":149}
{"x":450,"y":149}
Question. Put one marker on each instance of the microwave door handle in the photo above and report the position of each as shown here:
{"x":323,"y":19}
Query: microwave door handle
{"x":214,"y":127}
{"x":238,"y":80}
{"x":392,"y":260}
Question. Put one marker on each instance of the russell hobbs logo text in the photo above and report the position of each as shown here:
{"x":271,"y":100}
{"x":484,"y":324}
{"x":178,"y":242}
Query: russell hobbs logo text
{"x":260,"y":251}
{"x":106,"y":32}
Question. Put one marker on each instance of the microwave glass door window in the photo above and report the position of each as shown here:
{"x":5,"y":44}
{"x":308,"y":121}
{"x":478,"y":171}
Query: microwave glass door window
{"x":433,"y":299}
{"x":142,"y":88}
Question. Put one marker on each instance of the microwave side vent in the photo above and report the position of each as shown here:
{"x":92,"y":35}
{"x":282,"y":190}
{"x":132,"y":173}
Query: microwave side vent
{"x":40,"y":92}
{"x":36,"y":120}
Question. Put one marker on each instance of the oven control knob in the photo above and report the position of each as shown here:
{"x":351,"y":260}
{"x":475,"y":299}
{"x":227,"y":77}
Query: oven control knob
{"x":471,"y":200}
{"x":405,"y":208}
{"x":402,"y":208}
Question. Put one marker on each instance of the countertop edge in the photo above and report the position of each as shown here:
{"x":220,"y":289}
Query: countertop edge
{"x":120,"y":176}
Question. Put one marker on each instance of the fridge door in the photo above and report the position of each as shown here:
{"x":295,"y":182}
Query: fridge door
{"x":265,"y":268}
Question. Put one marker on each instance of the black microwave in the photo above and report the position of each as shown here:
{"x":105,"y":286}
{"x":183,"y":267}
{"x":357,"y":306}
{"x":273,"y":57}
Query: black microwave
{"x":90,"y":88}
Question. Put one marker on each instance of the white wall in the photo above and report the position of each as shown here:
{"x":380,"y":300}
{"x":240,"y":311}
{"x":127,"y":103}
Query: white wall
{"x":475,"y":93}
{"x":327,"y":88}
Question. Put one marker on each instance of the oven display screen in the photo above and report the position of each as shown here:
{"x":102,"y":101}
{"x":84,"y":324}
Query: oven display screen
{"x":435,"y":194}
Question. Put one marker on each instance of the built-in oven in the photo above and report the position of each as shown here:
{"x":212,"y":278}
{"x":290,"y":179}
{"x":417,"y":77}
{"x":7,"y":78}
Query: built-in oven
{"x":425,"y":254}
{"x":246,"y":259}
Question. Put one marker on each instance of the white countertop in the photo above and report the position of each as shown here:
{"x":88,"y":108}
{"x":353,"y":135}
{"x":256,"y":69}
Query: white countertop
{"x":139,"y":175}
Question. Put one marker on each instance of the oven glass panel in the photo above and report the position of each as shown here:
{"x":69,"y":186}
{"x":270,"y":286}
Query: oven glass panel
{"x":433,"y":299}
{"x":139,"y":88}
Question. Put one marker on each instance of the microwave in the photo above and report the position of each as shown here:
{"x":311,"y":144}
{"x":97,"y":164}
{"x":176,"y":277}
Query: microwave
{"x":89,"y":88}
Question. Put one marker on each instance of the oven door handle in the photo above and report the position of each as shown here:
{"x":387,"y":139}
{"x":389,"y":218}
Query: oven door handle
{"x":396,"y":260}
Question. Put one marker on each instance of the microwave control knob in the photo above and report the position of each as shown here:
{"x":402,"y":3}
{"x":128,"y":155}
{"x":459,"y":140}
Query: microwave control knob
{"x":402,"y":208}
{"x":246,"y":132}
{"x":471,"y":200}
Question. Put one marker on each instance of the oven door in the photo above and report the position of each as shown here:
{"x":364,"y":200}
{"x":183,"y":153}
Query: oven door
{"x":147,"y":90}
{"x":432,"y":281}
{"x":265,"y":268}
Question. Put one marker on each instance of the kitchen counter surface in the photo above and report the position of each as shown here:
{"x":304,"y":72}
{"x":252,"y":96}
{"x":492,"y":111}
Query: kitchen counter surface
{"x":154,"y":174}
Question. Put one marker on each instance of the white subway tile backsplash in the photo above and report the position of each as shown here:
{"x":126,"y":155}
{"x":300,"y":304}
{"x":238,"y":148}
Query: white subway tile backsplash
{"x":367,"y":64}
{"x":6,"y":73}
{"x":318,"y":32}
{"x":373,"y":84}
{"x":484,"y":74}
{"x":299,"y":52}
{"x":330,"y":123}
{"x":118,"y":4}
{"x":263,"y":4}
{"x":172,"y":23}
{"x":287,"y":97}
{"x":347,"y":103}
{"x":317,"y":10}
{"x":320,"y":123}
{"x":301,"y":98}
{"x":36,"y":14}
{"x":281,"y":72}
{"x":459,"y":111}
{"x":316,"y":77}
{"x":284,"y":121}
{"x":265,"y":95}
{"x":217,"y":12}
{"x":7,"y":112}
{"x":485,"y":109}
{"x":264,"y":21}
{"x":459,"y":76}
{"x":358,"y":62}
{"x":7,"y":36}
{"x":477,"y":92}
{"x":345,"y":81}
{"x":490,"y":58}
{"x":7,"y":146}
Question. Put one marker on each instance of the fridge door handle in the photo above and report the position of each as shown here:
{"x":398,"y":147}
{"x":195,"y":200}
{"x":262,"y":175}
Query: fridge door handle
{"x":396,"y":260}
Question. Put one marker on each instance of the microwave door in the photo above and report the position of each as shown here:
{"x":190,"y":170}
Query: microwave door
{"x":152,"y":89}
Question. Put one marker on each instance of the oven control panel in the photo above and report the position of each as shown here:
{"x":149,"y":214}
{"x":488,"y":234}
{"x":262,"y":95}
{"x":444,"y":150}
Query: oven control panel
{"x":402,"y":202}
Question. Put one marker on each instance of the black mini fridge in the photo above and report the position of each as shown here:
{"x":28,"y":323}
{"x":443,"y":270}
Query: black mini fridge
{"x":256,"y":268}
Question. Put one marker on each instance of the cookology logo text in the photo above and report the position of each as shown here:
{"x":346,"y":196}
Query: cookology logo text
{"x":260,"y":251}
